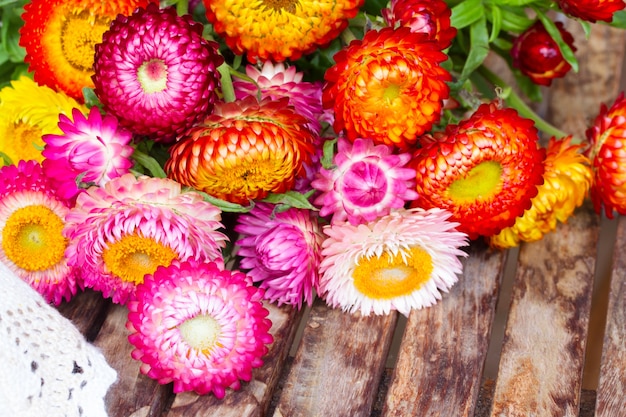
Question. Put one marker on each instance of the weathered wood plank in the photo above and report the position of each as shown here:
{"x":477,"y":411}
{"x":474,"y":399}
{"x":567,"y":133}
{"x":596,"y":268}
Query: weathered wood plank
{"x":87,"y":311}
{"x":338,"y":364}
{"x":543,"y":352}
{"x":133,"y":394}
{"x":443,"y":350}
{"x":254,"y":398}
{"x":611,"y":401}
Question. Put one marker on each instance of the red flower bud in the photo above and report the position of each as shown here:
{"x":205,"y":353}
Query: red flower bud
{"x":537,"y":55}
{"x":592,"y":10}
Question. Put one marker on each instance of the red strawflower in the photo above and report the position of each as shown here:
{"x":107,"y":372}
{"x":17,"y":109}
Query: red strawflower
{"x":485,"y":170}
{"x":592,"y":10}
{"x":607,"y":138}
{"x":537,"y":55}
{"x":424,"y":16}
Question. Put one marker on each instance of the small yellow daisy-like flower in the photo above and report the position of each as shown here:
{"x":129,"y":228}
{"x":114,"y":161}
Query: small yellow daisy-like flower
{"x":27,"y":112}
{"x":279,"y":29}
{"x":566,"y":182}
{"x":59,"y":37}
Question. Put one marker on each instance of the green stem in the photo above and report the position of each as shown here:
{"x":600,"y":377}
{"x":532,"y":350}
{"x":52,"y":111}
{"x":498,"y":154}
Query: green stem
{"x":347,"y":36}
{"x":182,"y":7}
{"x":226,"y":81}
{"x":514,"y":100}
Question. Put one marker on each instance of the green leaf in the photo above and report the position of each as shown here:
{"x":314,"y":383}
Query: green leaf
{"x":551,"y":28}
{"x":149,"y":163}
{"x":496,"y":23}
{"x":514,"y":20}
{"x":479,"y":47}
{"x":223,"y":205}
{"x":466,"y":13}
{"x":290,"y":199}
{"x":328,"y":153}
{"x":91,"y":99}
{"x":619,"y":19}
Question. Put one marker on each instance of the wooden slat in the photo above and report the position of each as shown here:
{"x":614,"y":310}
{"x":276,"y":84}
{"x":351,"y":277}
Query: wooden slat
{"x":611,"y":401}
{"x":443,"y":350}
{"x":87,"y":310}
{"x":133,"y":394}
{"x":338,"y":364}
{"x":542,"y":358}
{"x":254,"y":397}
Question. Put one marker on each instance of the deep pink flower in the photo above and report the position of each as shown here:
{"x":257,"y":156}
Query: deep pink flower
{"x":94,"y":149}
{"x":200,"y":326}
{"x":129,"y":227}
{"x":367,"y":182}
{"x":32,"y":217}
{"x":156,"y":73}
{"x":281,"y":250}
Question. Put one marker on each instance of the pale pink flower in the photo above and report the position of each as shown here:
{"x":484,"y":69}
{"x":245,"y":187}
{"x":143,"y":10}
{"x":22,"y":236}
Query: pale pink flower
{"x":199,"y":326}
{"x":126,"y":229}
{"x":277,"y":80}
{"x":281,"y":250}
{"x":402,"y":261}
{"x":93,"y":149}
{"x":367,"y":181}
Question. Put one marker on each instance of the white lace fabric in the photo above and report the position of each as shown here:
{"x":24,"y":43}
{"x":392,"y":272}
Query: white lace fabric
{"x":47,"y":368}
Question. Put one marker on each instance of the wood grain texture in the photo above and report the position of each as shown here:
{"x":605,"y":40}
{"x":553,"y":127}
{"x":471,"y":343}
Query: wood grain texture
{"x":87,"y":310}
{"x":338,"y":364}
{"x":611,"y":401}
{"x":543,"y":351}
{"x":133,"y":394}
{"x":443,"y":350}
{"x":254,"y":398}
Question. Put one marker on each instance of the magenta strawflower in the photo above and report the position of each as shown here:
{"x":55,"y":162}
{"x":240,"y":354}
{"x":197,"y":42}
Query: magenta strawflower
{"x":156,"y":73}
{"x":200,"y":326}
{"x":401,"y":262}
{"x":126,"y":229}
{"x":279,"y":80}
{"x":367,"y":182}
{"x":32,"y":217}
{"x":94,"y":149}
{"x":281,"y":250}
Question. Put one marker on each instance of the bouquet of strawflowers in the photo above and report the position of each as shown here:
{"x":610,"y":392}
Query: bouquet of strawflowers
{"x":193,"y":160}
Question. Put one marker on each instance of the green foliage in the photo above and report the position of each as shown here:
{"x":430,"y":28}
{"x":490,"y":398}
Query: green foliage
{"x":11,"y":54}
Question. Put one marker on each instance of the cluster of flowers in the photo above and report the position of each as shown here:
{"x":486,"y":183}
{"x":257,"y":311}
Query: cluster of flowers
{"x":136,"y":139}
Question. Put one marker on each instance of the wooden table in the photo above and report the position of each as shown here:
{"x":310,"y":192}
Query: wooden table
{"x":341,"y":367}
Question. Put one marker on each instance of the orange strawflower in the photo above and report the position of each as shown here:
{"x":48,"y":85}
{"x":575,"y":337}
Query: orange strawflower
{"x":59,"y":37}
{"x":389,"y":87}
{"x":243,"y":151}
{"x":485,"y":170}
{"x":566,"y":182}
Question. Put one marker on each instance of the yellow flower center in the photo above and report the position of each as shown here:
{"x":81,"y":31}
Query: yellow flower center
{"x":32,"y":238}
{"x":152,"y":76}
{"x":132,"y":257}
{"x":391,"y":93}
{"x":389,"y":276}
{"x":278,"y":5}
{"x":22,"y":141}
{"x":483,"y":181}
{"x":79,"y":34}
{"x":202,"y":333}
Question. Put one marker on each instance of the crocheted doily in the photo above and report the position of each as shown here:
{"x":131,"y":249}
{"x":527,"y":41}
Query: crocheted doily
{"x":47,"y":368}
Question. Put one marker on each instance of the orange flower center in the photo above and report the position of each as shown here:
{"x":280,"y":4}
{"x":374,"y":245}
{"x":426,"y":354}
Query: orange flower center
{"x":482,"y":182}
{"x":278,"y":5}
{"x":389,"y":276}
{"x":79,"y":34}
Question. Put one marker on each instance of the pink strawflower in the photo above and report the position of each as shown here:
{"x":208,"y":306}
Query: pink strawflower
{"x":200,"y":326}
{"x":156,"y":73}
{"x":32,"y":217}
{"x":126,"y":229}
{"x":279,"y":80}
{"x":281,"y":250}
{"x":367,"y":182}
{"x":93,"y":149}
{"x":401,"y":262}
